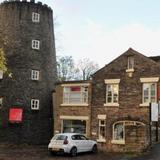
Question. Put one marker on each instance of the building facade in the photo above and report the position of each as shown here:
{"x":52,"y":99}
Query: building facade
{"x":26,"y":92}
{"x":119,"y":110}
{"x":72,"y":107}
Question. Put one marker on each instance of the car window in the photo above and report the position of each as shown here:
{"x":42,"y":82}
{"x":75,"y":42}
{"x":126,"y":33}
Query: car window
{"x":83,"y":137}
{"x":76,"y":137}
{"x":59,"y":137}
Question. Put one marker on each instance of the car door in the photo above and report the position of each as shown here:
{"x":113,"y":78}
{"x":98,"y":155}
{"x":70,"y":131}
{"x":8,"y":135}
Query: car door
{"x":76,"y":139}
{"x":85,"y":143}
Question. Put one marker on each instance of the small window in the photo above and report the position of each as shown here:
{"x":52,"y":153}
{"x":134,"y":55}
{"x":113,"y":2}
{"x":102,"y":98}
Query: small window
{"x":149,"y":92}
{"x":102,"y":128}
{"x":35,"y":17}
{"x":130,"y":62}
{"x":35,"y":75}
{"x":1,"y":74}
{"x":34,"y":104}
{"x":35,"y":44}
{"x":112,"y":93}
{"x":1,"y":102}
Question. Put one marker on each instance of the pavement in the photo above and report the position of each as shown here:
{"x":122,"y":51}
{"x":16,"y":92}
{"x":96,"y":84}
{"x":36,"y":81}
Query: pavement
{"x":30,"y":152}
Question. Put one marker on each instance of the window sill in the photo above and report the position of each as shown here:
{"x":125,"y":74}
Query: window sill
{"x":144,"y":105}
{"x":118,"y":142}
{"x":70,"y":105}
{"x":111,"y":104}
{"x":129,"y":70}
{"x":101,"y":140}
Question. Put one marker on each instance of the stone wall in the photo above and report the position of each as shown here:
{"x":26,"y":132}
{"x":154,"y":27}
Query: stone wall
{"x":130,"y":96}
{"x":18,"y":90}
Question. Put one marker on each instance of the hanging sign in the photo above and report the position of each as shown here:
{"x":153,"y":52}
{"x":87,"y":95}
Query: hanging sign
{"x":15,"y":115}
{"x":154,"y":112}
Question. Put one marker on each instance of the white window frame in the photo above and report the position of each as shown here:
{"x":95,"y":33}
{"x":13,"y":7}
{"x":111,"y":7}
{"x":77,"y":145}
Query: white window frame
{"x":130,"y":65}
{"x":112,"y":82}
{"x":120,"y":141}
{"x":36,"y":44}
{"x":149,"y":94}
{"x":101,"y":118}
{"x":73,"y":119}
{"x":148,"y":80}
{"x":84,"y":96}
{"x":35,"y":75}
{"x":1,"y":102}
{"x":1,"y":74}
{"x":125,"y":123}
{"x":35,"y":104}
{"x":35,"y":17}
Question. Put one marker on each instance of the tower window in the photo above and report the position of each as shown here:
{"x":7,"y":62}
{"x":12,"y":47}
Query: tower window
{"x":1,"y":74}
{"x":35,"y":44}
{"x":35,"y":17}
{"x":130,"y":62}
{"x":1,"y":102}
{"x":35,"y":75}
{"x":34,"y":104}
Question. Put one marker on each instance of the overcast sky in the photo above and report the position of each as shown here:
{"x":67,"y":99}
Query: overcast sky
{"x":101,"y":30}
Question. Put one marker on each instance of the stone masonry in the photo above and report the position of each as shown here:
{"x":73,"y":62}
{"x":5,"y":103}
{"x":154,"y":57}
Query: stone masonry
{"x":130,"y":109}
{"x":18,"y":89}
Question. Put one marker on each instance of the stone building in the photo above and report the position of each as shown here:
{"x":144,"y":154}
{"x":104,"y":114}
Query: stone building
{"x":118,"y":103}
{"x":72,"y":107}
{"x":26,"y":92}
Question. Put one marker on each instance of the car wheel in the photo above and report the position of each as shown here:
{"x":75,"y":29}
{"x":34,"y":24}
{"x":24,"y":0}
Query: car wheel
{"x":94,"y":149}
{"x":73,"y":152}
{"x":52,"y":153}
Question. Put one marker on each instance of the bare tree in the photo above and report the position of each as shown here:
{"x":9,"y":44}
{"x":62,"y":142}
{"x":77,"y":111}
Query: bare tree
{"x":65,"y":68}
{"x":86,"y":68}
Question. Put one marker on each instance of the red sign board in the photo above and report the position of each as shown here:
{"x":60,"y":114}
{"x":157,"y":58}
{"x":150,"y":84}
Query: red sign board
{"x":75,"y":88}
{"x":15,"y":115}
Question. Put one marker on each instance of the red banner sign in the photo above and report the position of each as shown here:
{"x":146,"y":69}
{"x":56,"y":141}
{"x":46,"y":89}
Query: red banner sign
{"x":15,"y":115}
{"x":75,"y":88}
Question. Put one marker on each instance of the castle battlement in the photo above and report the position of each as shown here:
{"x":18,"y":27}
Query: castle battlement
{"x":26,"y":2}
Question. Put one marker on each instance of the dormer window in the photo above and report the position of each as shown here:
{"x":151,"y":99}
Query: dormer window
{"x":130,"y":63}
{"x":130,"y":66}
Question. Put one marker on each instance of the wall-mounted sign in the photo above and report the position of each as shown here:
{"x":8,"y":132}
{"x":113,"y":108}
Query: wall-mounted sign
{"x":75,"y":88}
{"x":15,"y":115}
{"x":154,"y":112}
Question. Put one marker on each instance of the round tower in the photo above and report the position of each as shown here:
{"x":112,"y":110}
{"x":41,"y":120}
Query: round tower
{"x":25,"y":94}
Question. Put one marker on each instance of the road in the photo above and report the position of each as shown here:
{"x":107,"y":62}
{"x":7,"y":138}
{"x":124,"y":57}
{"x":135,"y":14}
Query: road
{"x":25,"y":152}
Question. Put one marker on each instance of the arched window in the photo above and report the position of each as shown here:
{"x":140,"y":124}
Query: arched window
{"x":119,"y":130}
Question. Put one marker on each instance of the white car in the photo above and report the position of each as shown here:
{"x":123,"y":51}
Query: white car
{"x":71,"y":143}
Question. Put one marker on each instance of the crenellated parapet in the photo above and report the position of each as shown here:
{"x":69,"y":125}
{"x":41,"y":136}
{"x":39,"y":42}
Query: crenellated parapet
{"x":26,"y":2}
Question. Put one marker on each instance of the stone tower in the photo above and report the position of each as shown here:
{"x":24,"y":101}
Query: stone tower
{"x":25,"y":93}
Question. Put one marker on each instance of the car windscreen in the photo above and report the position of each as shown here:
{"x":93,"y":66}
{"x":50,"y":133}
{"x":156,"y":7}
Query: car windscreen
{"x":59,"y":137}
